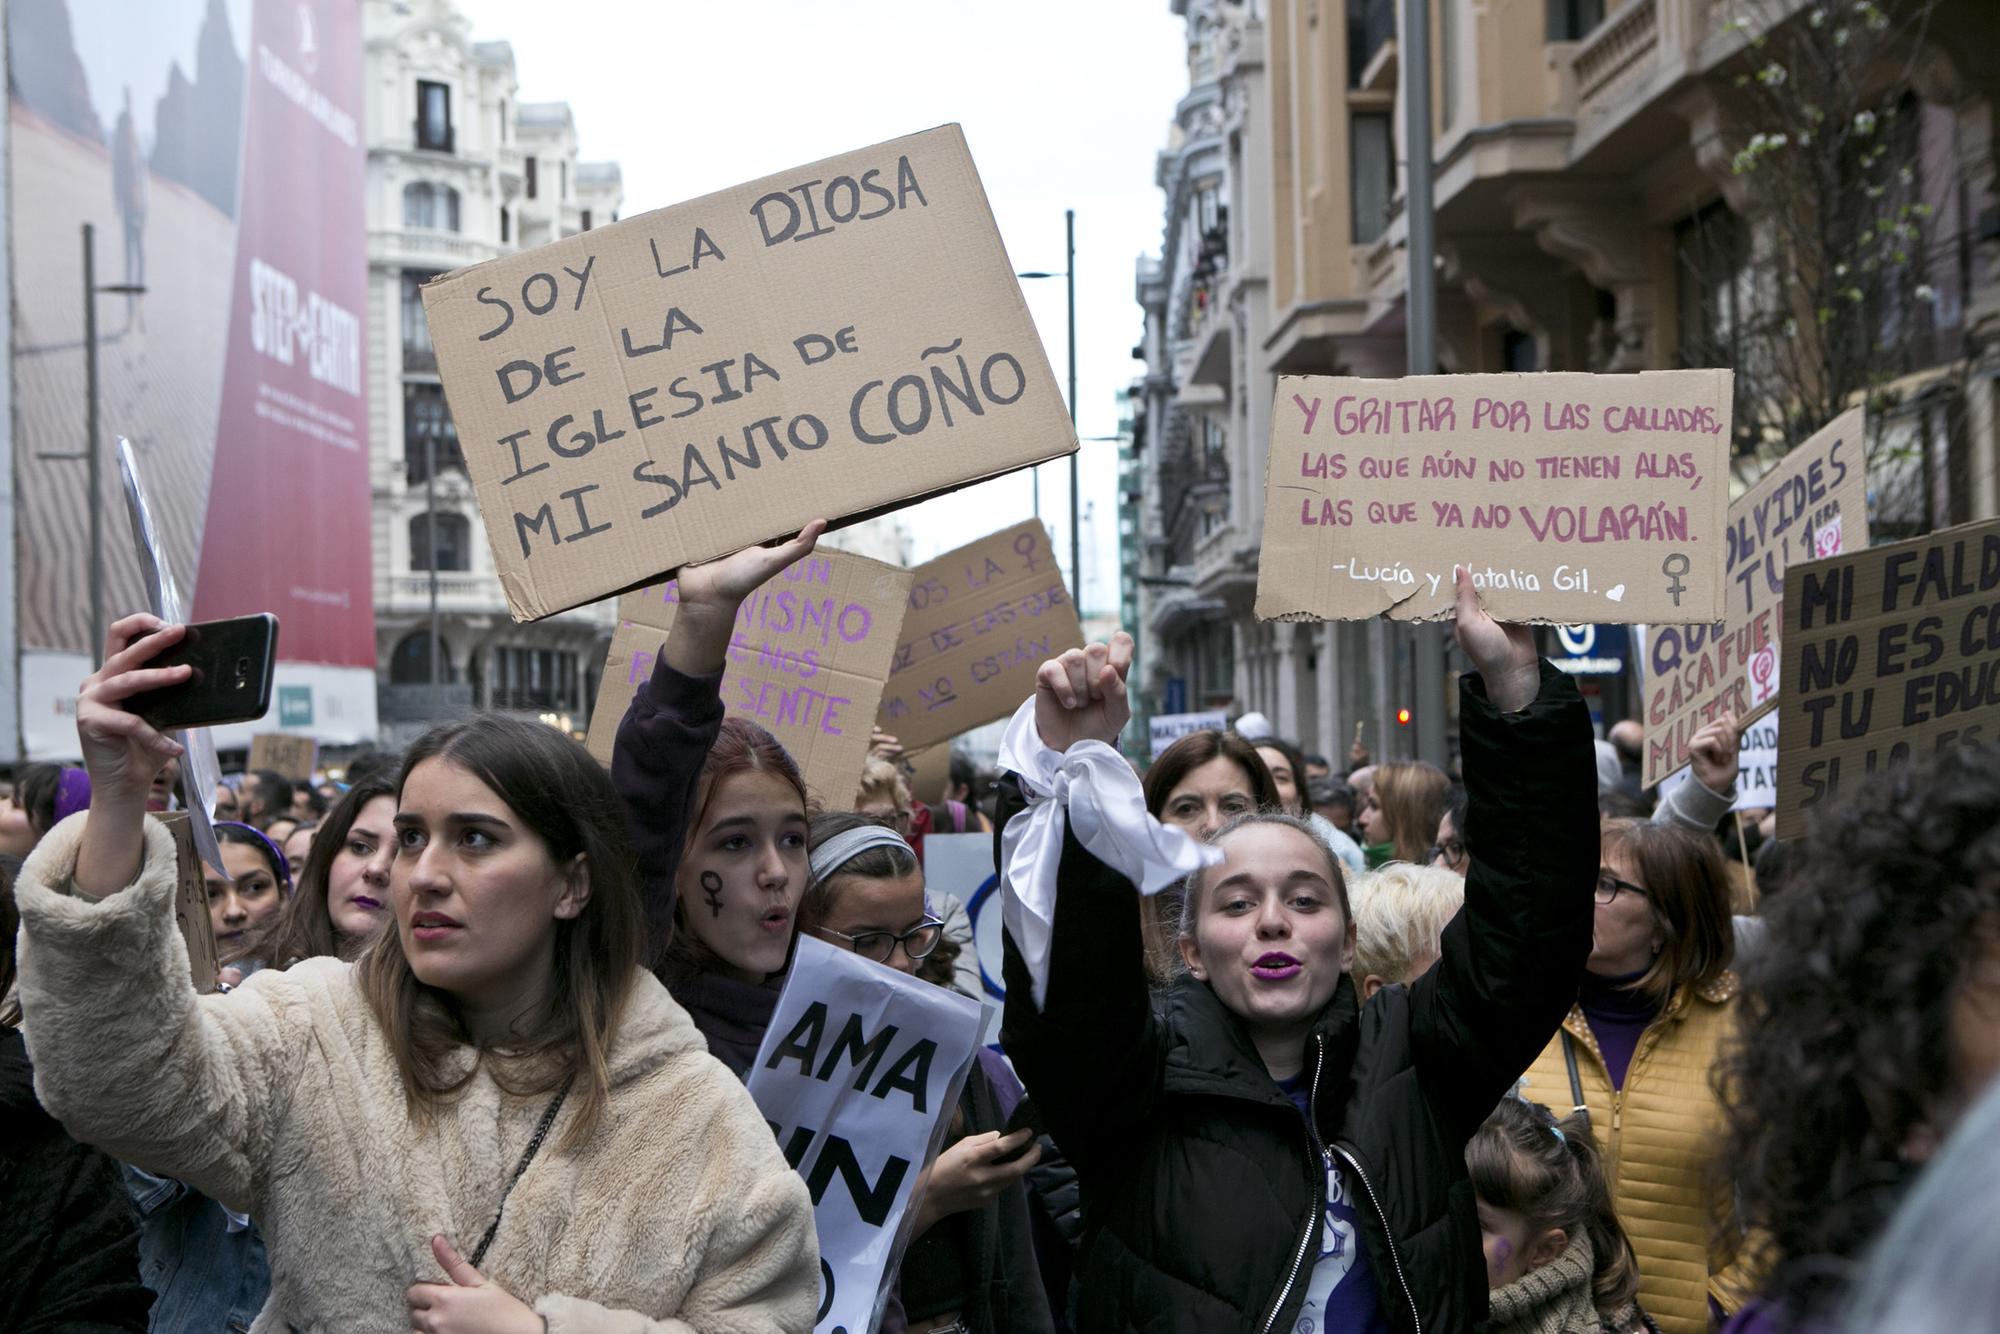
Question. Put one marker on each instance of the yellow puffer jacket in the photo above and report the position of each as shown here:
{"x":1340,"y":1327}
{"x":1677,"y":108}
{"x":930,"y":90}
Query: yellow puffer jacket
{"x":1658,"y":1136}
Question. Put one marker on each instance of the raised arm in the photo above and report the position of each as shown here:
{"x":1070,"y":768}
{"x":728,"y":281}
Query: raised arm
{"x":665,"y":736}
{"x":1701,"y":803}
{"x":1512,"y":956}
{"x":126,"y":1055}
{"x":1079,"y":1021}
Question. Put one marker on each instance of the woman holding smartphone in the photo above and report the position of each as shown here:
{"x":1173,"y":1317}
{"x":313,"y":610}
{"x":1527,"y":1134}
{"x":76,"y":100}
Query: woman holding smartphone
{"x":495,"y":1120}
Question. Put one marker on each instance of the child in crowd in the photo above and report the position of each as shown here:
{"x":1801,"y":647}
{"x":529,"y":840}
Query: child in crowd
{"x":1557,"y":1262}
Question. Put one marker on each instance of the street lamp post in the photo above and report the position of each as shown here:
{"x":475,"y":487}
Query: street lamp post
{"x":92,"y":455}
{"x":1068,"y":274}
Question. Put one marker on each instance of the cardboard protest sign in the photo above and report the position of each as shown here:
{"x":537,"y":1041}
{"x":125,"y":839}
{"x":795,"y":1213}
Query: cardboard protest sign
{"x":1572,"y":498}
{"x":982,"y":621}
{"x":832,"y":342}
{"x":284,"y":754}
{"x":1167,"y":728}
{"x":191,"y":904}
{"x":1893,"y":654}
{"x":1812,"y":505}
{"x":1757,"y":768}
{"x":807,"y":661}
{"x":859,"y":1075}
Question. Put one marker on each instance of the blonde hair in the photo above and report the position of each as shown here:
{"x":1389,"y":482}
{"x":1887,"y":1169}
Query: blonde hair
{"x":1400,"y":913}
{"x":883,"y":781}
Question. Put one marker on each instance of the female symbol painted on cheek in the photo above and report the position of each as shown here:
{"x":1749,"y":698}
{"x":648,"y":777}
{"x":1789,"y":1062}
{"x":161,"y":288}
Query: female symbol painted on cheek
{"x":711,"y":888}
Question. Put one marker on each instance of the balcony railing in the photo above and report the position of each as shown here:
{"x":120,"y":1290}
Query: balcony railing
{"x":457,"y":589}
{"x":425,"y":247}
{"x":423,"y":360}
{"x":1625,"y":38}
{"x":422,"y":703}
{"x":448,"y":460}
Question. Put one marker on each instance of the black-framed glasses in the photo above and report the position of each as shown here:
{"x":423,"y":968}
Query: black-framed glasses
{"x":1608,"y":886}
{"x":1452,"y":850}
{"x":918,"y":942}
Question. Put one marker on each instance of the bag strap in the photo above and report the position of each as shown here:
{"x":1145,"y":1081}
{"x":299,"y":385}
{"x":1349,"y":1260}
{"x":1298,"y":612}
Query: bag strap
{"x":1575,"y":1082}
{"x":521,"y":1168}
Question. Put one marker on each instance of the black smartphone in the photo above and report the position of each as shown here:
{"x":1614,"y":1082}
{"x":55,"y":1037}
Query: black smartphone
{"x":233,"y":661}
{"x":1026,"y":1117}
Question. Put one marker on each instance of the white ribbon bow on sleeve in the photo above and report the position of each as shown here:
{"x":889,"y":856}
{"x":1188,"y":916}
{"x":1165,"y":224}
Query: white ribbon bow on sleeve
{"x":1092,"y":787}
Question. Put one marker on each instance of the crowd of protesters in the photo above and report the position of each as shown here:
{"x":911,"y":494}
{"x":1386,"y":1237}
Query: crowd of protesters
{"x":1308,"y":1047}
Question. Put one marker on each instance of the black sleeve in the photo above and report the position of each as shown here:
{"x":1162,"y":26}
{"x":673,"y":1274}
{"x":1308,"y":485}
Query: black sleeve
{"x":1091,"y":1057}
{"x":663,"y":740}
{"x":1513,"y":954}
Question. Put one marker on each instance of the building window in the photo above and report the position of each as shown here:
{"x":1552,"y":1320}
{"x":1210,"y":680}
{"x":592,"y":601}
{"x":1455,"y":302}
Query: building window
{"x":427,"y":426}
{"x":585,"y":219}
{"x":410,"y":661}
{"x":1448,"y":61}
{"x":1572,"y":20}
{"x":562,"y":180}
{"x":434,"y":116}
{"x":529,"y":165}
{"x":503,"y":121}
{"x":1712,"y":289}
{"x":1517,"y":351}
{"x":434,"y":207}
{"x":1370,"y":24}
{"x":418,"y":354}
{"x":506,"y":227}
{"x":1374,"y":164}
{"x":452,"y":545}
{"x":534,"y":678}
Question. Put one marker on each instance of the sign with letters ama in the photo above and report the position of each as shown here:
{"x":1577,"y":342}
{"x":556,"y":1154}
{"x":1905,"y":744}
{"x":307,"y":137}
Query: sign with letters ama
{"x":807,"y":661}
{"x":1892,"y":654}
{"x":1813,"y":504}
{"x":858,"y":1076}
{"x":1572,"y":498}
{"x":982,"y":621}
{"x":831,"y":343}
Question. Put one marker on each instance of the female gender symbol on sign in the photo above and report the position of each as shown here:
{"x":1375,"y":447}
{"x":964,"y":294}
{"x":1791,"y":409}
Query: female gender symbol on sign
{"x":1764,"y":674}
{"x":1674,"y":567}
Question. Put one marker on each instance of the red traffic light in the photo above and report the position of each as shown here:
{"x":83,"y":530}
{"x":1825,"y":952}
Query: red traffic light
{"x":1403,"y":717}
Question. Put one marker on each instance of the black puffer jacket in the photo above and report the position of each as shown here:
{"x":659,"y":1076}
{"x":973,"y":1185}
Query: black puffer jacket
{"x":69,"y":1241}
{"x":1202,"y":1186}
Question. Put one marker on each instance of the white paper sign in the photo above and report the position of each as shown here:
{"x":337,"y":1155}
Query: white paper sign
{"x":858,"y":1076}
{"x":1757,"y":777}
{"x":1168,"y":728}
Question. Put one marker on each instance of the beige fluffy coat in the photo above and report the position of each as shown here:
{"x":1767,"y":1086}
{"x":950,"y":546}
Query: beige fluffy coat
{"x":283,"y":1100}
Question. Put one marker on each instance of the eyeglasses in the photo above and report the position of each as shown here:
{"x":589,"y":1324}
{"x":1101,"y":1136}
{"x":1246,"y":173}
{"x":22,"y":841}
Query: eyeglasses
{"x":918,"y":942}
{"x":1608,"y":886}
{"x":1451,"y":850}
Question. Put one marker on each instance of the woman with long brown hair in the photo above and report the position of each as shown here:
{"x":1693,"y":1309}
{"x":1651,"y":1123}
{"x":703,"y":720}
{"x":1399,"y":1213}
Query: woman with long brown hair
{"x":1199,"y":784}
{"x":341,"y":895}
{"x":496,"y":1101}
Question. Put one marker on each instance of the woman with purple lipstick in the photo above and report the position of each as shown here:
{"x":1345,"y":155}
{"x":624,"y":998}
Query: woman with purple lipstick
{"x":343,"y":886}
{"x":1256,"y":1151}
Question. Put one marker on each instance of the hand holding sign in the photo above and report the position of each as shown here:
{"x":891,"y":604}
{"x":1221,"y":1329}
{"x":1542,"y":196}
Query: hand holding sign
{"x":1713,"y":753}
{"x":711,"y":592}
{"x":1080,"y":695}
{"x":469,"y":1303}
{"x":1504,"y":655}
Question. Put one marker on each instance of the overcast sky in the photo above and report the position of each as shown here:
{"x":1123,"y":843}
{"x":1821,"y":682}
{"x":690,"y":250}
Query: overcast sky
{"x":1064,"y":102}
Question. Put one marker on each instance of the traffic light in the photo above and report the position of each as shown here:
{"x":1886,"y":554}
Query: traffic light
{"x":1402,"y":717}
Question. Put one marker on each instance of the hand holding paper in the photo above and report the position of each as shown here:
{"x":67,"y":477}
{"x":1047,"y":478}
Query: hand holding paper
{"x":1503,"y":654}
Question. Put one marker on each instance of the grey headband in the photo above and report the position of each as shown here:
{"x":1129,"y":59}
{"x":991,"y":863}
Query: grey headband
{"x":848,"y":844}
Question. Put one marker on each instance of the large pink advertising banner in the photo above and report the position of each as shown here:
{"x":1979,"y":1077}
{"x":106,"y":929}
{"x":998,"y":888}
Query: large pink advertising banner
{"x":216,"y":148}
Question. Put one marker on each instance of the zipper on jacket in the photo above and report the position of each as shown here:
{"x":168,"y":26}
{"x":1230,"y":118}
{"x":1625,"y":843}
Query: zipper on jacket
{"x":1313,"y":1220}
{"x":1395,"y":1258}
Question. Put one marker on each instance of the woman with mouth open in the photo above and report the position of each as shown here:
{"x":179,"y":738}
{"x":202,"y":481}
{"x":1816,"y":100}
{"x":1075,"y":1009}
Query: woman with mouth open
{"x":494,"y":1120}
{"x":1256,"y":1151}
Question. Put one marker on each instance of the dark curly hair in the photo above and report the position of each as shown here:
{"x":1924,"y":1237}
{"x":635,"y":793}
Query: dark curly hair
{"x":1843,"y":1050}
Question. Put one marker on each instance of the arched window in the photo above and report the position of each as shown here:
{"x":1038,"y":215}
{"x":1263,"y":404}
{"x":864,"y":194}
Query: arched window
{"x":410,"y":664}
{"x":431,"y":206}
{"x":452,"y":545}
